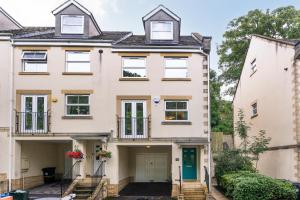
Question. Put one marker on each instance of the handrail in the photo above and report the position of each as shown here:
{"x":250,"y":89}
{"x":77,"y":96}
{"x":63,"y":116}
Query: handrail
{"x":137,"y":127}
{"x":69,"y":174}
{"x":97,"y":180}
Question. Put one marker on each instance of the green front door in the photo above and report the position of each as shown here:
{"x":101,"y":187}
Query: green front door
{"x":189,"y":163}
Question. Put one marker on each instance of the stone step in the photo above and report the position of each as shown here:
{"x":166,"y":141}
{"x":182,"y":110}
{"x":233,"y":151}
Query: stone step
{"x":202,"y":197}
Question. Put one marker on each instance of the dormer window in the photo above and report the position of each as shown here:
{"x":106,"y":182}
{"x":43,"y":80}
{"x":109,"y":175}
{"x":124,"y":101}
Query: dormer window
{"x":72,"y":24}
{"x":161,"y":30}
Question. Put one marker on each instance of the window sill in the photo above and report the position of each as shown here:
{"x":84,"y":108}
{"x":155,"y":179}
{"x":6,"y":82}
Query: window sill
{"x":253,"y":116}
{"x":133,"y":79}
{"x":176,"y":123}
{"x":78,"y":73}
{"x":77,"y":117}
{"x":34,"y":73}
{"x":176,"y":79}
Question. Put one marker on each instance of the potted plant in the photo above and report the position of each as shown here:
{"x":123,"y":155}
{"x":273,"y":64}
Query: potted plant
{"x":75,"y":154}
{"x":104,"y":154}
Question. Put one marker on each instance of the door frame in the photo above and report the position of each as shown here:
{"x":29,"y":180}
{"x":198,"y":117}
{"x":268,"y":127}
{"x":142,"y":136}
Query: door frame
{"x":34,"y":110}
{"x":197,"y":162}
{"x":133,"y":115}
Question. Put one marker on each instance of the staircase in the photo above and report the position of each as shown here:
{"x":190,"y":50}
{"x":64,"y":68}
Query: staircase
{"x":83,"y":190}
{"x":193,"y":191}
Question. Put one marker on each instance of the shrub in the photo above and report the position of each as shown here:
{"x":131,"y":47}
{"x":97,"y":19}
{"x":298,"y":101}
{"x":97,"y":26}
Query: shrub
{"x":230,"y":161}
{"x":245,"y":185}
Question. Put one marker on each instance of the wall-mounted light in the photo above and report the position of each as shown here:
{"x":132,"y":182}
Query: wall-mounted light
{"x":148,"y":147}
{"x":54,"y":100}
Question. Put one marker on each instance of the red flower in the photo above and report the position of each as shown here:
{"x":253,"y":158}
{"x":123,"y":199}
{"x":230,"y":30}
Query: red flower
{"x":74,"y":154}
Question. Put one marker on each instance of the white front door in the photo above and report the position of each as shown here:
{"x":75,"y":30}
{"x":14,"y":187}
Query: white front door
{"x":34,"y":113}
{"x":97,"y":159}
{"x":151,"y":167}
{"x":133,"y":120}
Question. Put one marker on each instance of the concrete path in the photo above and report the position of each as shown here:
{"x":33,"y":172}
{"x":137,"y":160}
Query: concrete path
{"x":218,"y":195}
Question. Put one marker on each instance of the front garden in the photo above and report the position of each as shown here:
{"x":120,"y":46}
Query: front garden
{"x":236,"y":173}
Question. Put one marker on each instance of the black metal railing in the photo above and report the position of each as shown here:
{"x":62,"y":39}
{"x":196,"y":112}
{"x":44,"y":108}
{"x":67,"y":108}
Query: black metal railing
{"x":32,"y":122}
{"x":69,"y":177}
{"x":133,"y":127}
{"x":96,"y":182}
{"x":180,"y":180}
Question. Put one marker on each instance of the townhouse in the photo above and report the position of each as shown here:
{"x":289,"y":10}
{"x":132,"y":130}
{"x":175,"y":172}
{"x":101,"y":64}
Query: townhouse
{"x":144,"y":98}
{"x":268,"y":94}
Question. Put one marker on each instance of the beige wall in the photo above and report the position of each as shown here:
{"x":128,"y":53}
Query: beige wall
{"x":106,"y":86}
{"x":272,"y":87}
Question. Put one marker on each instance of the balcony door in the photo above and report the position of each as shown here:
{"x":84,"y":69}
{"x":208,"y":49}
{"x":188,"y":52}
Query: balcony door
{"x":34,"y":113}
{"x":134,"y":119}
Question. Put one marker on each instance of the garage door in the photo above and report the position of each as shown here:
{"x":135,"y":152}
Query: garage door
{"x":151,"y":167}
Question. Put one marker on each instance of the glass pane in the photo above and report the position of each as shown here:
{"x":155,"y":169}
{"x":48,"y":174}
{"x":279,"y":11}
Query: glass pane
{"x":182,"y":115}
{"x":175,"y":73}
{"x":140,"y":118}
{"x":78,"y":56}
{"x":40,"y":104}
{"x":40,"y":119}
{"x":72,"y":99}
{"x":161,"y":35}
{"x":78,"y":67}
{"x":83,"y":99}
{"x":128,"y":119}
{"x":170,"y":115}
{"x":34,"y":55}
{"x":134,"y":72}
{"x":28,"y":121}
{"x":35,"y":67}
{"x":77,"y":29}
{"x":181,"y":105}
{"x":84,"y":110}
{"x":134,"y":62}
{"x":162,"y":26}
{"x":176,"y":63}
{"x":72,"y":20}
{"x":72,"y":110}
{"x":171,"y":105}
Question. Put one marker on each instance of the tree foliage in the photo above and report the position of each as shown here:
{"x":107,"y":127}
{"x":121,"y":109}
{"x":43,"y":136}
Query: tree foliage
{"x":282,"y":22}
{"x":221,"y":110}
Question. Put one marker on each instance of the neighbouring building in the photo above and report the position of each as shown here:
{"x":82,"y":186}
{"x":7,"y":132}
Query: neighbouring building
{"x":268,"y":94}
{"x":144,"y":98}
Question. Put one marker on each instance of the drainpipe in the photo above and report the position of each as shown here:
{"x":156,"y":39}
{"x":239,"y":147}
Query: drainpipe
{"x":11,"y":100}
{"x":209,"y":128}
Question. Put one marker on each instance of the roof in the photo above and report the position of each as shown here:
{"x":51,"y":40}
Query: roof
{"x":81,"y":7}
{"x":140,"y":40}
{"x":158,"y":8}
{"x":11,"y":18}
{"x":49,"y":33}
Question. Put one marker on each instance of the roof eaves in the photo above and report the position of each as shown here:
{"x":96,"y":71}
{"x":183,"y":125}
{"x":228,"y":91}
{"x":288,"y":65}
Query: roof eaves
{"x":69,"y":2}
{"x":165,"y":9}
{"x":274,"y":39}
{"x":11,"y":18}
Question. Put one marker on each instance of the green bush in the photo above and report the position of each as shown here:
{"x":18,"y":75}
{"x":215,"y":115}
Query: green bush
{"x":231,"y":161}
{"x":248,"y":186}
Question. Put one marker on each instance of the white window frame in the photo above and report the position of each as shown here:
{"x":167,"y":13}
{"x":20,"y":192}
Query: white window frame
{"x":66,"y":32}
{"x":253,"y":66}
{"x":176,"y":58}
{"x":145,"y":67}
{"x":66,"y":63}
{"x":34,"y":60}
{"x":151,"y":32}
{"x":66,"y":104}
{"x":177,"y":110}
{"x":252,"y":109}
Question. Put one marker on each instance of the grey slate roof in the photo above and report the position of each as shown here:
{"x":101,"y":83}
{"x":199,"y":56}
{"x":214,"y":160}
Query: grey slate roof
{"x":49,"y":33}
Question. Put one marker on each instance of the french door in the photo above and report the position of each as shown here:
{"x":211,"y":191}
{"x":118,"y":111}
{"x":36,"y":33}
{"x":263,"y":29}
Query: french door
{"x":34,"y":113}
{"x":134,"y":119}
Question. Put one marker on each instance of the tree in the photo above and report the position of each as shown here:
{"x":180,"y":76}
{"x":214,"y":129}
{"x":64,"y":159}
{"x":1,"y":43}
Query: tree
{"x":259,"y":145}
{"x":221,"y":110}
{"x":241,"y":128}
{"x":283,"y":22}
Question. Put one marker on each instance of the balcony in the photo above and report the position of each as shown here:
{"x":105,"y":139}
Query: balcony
{"x":133,"y":127}
{"x":31,"y":123}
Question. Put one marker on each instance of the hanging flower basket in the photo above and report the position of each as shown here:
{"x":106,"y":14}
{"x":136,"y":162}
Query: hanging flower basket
{"x":76,"y":154}
{"x":104,"y":154}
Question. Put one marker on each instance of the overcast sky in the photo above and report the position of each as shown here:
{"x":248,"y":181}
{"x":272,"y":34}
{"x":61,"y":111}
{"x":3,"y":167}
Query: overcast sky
{"x":203,"y":16}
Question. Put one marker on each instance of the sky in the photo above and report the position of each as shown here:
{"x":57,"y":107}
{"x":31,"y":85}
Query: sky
{"x":209,"y":18}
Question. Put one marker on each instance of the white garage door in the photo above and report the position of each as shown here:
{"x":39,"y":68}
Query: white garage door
{"x":151,"y":167}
